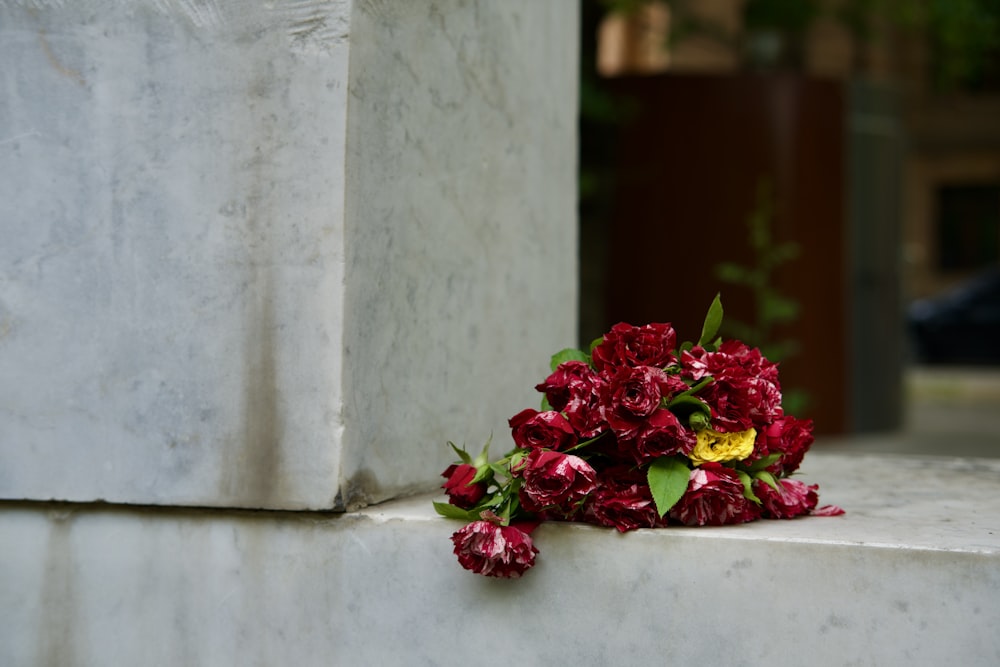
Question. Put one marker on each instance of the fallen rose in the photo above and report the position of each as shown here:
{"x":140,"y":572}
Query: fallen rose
{"x":714,"y":497}
{"x":622,"y":501}
{"x":532,"y":429}
{"x":633,"y":394}
{"x":492,"y":550}
{"x":791,"y":438}
{"x":553,"y":480}
{"x":745,"y":391}
{"x":459,"y":487}
{"x":628,"y":345}
{"x":575,"y":389}
{"x":636,"y":432}
{"x":793,"y":498}
{"x":568,"y":381}
{"x":662,"y":434}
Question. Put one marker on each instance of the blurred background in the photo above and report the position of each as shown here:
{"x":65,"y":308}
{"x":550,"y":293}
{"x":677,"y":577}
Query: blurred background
{"x":832,"y":167}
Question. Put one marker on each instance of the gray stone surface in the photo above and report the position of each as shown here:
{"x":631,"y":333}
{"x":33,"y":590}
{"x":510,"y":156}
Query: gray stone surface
{"x":949,"y":411}
{"x":910,"y":575}
{"x":276,"y":254}
{"x":461,"y":226}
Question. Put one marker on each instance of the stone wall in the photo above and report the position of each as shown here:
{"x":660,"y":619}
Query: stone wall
{"x":274,"y":255}
{"x":909,"y":576}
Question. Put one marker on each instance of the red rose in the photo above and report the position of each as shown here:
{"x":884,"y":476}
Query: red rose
{"x":693,"y":365}
{"x":532,"y":429}
{"x":632,"y":395}
{"x":555,"y":481}
{"x":627,"y":345}
{"x":494,"y":551}
{"x":789,"y":437}
{"x":622,"y":500}
{"x":570,"y":379}
{"x":662,"y":434}
{"x":459,"y":487}
{"x":574,"y":388}
{"x":795,"y":498}
{"x":745,"y":392}
{"x":714,"y":497}
{"x":734,"y":353}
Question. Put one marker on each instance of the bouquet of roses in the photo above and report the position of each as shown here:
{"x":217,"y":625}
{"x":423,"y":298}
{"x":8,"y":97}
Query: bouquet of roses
{"x":639,"y":433}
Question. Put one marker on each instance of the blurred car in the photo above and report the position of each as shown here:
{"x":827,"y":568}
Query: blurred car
{"x":961,"y":326}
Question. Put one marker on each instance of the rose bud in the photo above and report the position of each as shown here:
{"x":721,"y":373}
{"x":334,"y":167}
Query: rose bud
{"x":462,"y":492}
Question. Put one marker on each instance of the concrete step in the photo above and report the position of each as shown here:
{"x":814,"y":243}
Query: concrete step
{"x":910,"y":575}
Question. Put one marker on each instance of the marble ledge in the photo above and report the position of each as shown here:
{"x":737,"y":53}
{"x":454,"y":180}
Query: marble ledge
{"x":892,"y":501}
{"x":910,"y":575}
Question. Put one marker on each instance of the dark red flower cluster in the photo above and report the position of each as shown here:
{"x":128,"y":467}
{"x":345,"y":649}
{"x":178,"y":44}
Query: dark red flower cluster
{"x":744,"y":392}
{"x":640,"y":433}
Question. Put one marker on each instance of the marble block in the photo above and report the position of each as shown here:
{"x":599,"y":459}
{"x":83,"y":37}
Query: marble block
{"x":275,"y":255}
{"x":909,"y":576}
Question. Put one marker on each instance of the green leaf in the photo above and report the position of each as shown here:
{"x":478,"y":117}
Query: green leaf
{"x":545,"y":406}
{"x":768,"y":479}
{"x":713,"y":320}
{"x":760,"y":464}
{"x":450,"y":511}
{"x":698,"y":421}
{"x":695,"y":388}
{"x":516,"y":458}
{"x":482,"y":474}
{"x":500,"y":468}
{"x":462,"y":454}
{"x":691,"y":402}
{"x":581,"y":445}
{"x":668,"y":480}
{"x":687,"y":398}
{"x":747,"y":487}
{"x":569,"y":354}
{"x":484,"y":456}
{"x":594,"y":343}
{"x":734,"y":274}
{"x":778,"y":309}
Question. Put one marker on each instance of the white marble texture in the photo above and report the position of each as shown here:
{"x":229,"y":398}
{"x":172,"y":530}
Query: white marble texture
{"x":910,"y":575}
{"x":172,"y":267}
{"x":276,"y":254}
{"x":460,"y":227}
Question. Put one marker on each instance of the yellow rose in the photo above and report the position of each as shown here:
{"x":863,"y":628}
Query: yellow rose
{"x":715,"y":446}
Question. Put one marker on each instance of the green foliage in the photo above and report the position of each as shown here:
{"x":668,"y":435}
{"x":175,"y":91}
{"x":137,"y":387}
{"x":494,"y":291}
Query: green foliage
{"x":768,"y":479}
{"x":964,"y":34}
{"x":748,"y":486}
{"x":568,"y":354}
{"x":462,"y":454}
{"x":668,"y":480}
{"x":771,"y":307}
{"x":786,"y":15}
{"x":713,"y":320}
{"x":450,"y":511}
